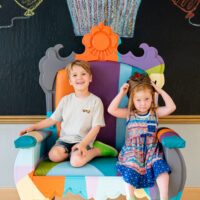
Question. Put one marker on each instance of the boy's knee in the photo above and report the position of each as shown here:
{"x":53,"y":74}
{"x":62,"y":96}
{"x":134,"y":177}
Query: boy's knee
{"x":76,"y":162}
{"x":56,"y":156}
{"x":53,"y":156}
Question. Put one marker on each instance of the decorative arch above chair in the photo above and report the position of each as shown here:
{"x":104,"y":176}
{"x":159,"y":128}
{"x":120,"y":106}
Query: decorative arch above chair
{"x":100,"y":44}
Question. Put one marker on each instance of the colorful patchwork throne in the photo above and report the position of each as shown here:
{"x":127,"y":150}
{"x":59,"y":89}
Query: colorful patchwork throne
{"x":38,"y":178}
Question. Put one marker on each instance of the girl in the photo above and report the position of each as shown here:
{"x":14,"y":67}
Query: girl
{"x":141,"y":160}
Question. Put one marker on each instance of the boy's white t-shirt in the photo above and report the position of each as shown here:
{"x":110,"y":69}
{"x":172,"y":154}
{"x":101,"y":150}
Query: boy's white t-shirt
{"x":78,"y":116}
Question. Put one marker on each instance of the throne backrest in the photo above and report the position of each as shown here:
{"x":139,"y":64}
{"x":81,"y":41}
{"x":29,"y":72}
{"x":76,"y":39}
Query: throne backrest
{"x":110,"y":70}
{"x":107,"y":79}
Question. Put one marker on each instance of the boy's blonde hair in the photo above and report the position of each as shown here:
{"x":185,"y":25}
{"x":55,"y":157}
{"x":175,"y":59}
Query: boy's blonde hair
{"x":85,"y":65}
{"x":139,"y":82}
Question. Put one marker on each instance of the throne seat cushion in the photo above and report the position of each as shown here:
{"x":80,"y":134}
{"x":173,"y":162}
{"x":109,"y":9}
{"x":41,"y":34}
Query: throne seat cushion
{"x":104,"y":166}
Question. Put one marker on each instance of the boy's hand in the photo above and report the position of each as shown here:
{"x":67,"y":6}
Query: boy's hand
{"x":81,"y":148}
{"x":124,"y":89}
{"x":29,"y":129}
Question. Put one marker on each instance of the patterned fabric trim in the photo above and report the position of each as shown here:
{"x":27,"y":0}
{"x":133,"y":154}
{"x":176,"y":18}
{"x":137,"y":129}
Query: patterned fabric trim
{"x":147,"y":180}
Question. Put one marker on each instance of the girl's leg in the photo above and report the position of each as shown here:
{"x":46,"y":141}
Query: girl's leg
{"x":163,"y":184}
{"x":58,"y":154}
{"x":77,"y":160}
{"x":129,"y":192}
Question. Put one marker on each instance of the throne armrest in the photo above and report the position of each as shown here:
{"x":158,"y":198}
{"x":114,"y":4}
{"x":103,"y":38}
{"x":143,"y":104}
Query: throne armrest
{"x":171,"y":142}
{"x":169,"y":138}
{"x":32,"y":148}
{"x":178,"y":174}
{"x":30,"y":139}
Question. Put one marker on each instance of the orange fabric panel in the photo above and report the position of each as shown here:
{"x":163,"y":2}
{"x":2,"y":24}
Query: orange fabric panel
{"x":62,"y":88}
{"x":162,"y":131}
{"x":100,"y":44}
{"x":50,"y":186}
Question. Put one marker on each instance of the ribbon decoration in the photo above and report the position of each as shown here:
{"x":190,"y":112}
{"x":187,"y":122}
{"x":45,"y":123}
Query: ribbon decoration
{"x":188,"y":6}
{"x":28,"y":5}
{"x":119,"y":14}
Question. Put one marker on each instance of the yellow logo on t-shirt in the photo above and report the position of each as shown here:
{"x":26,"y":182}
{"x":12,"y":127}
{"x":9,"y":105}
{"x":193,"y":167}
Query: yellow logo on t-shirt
{"x":85,"y":110}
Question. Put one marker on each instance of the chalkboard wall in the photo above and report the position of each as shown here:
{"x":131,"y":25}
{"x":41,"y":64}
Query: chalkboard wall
{"x":159,"y":23}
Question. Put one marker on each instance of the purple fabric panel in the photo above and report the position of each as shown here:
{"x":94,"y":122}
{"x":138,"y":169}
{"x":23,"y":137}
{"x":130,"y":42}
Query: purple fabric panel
{"x":154,"y":192}
{"x":149,"y":59}
{"x":105,"y":85}
{"x":168,"y":134}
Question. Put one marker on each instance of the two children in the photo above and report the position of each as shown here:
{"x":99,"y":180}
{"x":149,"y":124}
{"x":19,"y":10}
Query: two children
{"x":141,"y":160}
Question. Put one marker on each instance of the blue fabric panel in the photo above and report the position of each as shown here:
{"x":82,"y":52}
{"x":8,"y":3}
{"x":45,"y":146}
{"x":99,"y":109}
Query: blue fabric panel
{"x":105,"y":166}
{"x":49,"y":113}
{"x":25,"y":141}
{"x":54,"y":135}
{"x":152,"y":192}
{"x":173,"y":142}
{"x":125,"y":73}
{"x":65,"y":169}
{"x":75,"y":185}
{"x":177,"y":197}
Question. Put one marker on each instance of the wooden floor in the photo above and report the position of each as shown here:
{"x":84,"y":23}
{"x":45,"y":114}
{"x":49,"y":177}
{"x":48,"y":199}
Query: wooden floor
{"x":11,"y":194}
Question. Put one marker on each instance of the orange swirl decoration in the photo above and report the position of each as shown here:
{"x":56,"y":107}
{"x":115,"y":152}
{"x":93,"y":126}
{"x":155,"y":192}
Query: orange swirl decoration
{"x":100,"y":44}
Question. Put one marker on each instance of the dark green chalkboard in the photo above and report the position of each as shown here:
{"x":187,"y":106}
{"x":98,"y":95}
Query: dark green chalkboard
{"x":159,"y":23}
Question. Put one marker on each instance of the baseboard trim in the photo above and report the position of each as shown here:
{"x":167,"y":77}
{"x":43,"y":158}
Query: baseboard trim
{"x":9,"y":194}
{"x":190,"y":193}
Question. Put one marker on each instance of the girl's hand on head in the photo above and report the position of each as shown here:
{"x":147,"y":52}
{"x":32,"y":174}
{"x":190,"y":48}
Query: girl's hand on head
{"x":158,"y":89}
{"x":124,"y":89}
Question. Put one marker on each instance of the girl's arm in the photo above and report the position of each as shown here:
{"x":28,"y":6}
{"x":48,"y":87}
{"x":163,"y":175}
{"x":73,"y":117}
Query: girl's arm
{"x":113,"y":108}
{"x":40,"y":125}
{"x":169,"y":103}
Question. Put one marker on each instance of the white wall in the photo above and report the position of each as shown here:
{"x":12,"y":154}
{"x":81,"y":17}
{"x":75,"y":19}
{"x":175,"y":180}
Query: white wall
{"x":191,"y":154}
{"x":8,"y":133}
{"x":190,"y":132}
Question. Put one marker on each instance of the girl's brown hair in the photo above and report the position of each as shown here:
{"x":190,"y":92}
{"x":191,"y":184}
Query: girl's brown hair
{"x":139,"y":82}
{"x":85,"y":65}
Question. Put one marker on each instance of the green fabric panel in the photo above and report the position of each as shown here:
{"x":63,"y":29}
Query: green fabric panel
{"x":44,"y":167}
{"x":158,"y":69}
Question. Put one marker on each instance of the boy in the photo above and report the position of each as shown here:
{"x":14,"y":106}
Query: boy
{"x":81,"y":115}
